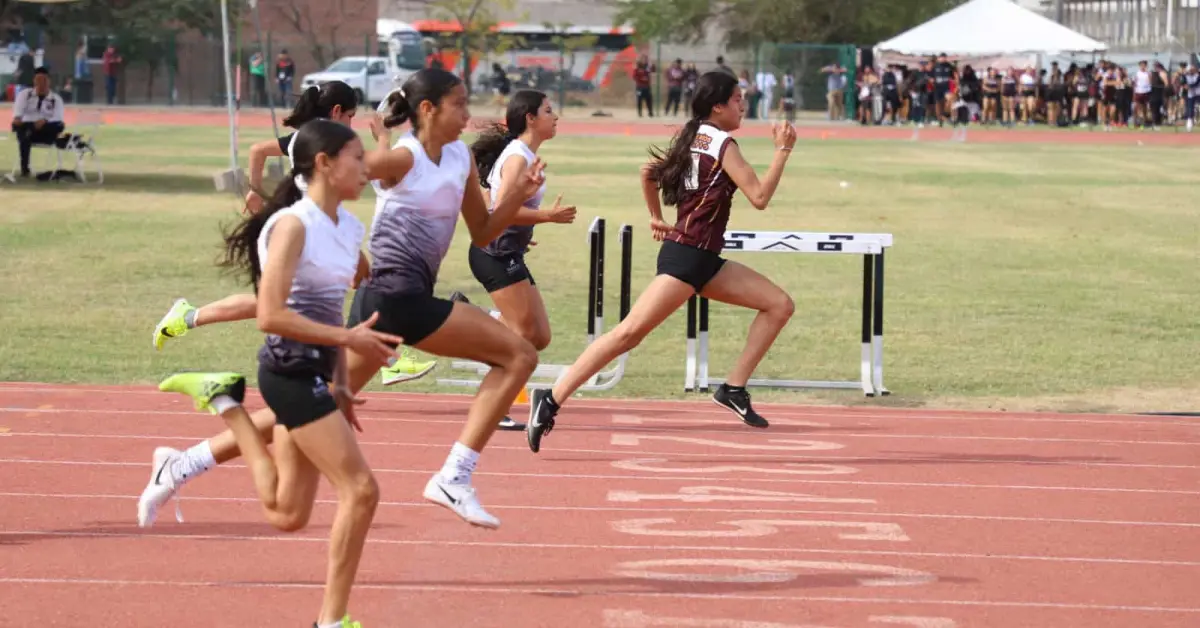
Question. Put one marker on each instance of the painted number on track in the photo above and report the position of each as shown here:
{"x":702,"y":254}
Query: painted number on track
{"x":856,"y":530}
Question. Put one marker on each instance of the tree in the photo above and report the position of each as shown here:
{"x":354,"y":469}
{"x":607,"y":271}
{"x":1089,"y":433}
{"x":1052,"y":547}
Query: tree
{"x":319,"y":22}
{"x":749,"y":22}
{"x":143,"y":30}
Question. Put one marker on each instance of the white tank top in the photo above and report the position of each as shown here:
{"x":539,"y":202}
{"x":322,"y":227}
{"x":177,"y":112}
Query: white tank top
{"x":324,"y":274}
{"x":1141,"y":82}
{"x":415,"y":219}
{"x":515,"y":239}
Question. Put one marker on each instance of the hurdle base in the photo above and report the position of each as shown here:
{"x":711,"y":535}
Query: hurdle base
{"x":230,"y":181}
{"x":796,"y":384}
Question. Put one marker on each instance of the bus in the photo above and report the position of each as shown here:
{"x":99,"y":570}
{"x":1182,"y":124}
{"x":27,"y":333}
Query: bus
{"x":403,"y":46}
{"x":534,"y":60}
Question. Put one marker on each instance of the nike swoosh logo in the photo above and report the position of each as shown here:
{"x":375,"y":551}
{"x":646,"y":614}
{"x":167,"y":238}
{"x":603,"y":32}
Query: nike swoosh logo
{"x":448,"y":496}
{"x":158,"y":476}
{"x":735,"y":407}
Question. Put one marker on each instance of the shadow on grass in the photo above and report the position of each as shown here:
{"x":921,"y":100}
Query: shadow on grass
{"x":135,"y":182}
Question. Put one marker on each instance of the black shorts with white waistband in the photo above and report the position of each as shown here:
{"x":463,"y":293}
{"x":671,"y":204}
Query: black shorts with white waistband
{"x":297,"y":398}
{"x":498,"y":272}
{"x":413,"y":317}
{"x":692,"y":265}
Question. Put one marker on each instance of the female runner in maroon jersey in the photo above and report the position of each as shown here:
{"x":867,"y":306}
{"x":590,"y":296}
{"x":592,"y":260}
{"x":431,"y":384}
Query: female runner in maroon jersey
{"x":698,"y":174}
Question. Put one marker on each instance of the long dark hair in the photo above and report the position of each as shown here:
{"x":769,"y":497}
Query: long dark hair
{"x":492,"y":140}
{"x":671,"y":169}
{"x":241,"y":241}
{"x":318,"y":102}
{"x":430,"y":84}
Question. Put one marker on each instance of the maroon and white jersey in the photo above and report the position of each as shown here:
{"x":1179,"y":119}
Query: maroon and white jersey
{"x":703,"y":211}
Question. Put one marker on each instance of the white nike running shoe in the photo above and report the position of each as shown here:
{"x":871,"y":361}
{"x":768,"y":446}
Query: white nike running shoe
{"x":461,"y":500}
{"x":160,"y":489}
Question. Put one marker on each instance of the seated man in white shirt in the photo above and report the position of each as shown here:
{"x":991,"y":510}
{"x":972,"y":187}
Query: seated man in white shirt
{"x":37,"y":116}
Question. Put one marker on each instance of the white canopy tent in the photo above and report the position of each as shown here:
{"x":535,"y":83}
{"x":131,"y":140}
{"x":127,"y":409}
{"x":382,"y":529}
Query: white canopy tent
{"x":988,"y":28}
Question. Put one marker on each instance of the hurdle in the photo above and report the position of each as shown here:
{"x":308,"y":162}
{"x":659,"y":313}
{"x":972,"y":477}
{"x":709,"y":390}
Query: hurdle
{"x":870,"y":245}
{"x":546,"y":375}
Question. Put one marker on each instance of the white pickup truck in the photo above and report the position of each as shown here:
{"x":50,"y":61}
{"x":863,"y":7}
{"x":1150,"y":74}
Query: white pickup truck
{"x":368,"y":76}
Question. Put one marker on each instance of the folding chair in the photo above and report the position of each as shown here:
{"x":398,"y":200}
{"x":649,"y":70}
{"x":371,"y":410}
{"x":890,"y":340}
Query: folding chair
{"x":78,"y":140}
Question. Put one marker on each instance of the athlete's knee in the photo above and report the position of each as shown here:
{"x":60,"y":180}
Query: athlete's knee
{"x":539,"y":337}
{"x":363,"y":492}
{"x":628,"y":335}
{"x":781,"y":307}
{"x":522,"y":358}
{"x":289,"y":520}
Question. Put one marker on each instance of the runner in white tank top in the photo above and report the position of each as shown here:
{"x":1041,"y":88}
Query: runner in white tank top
{"x":301,"y":253}
{"x":425,"y":181}
{"x":502,"y":153}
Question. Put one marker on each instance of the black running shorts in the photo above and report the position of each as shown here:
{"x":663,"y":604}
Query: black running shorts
{"x":689,"y":264}
{"x":496,"y":273}
{"x":297,"y":399}
{"x":413,"y":317}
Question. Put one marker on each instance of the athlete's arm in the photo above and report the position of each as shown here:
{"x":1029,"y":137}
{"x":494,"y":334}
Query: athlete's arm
{"x":364,"y":269}
{"x":485,"y":226}
{"x":385,"y":165}
{"x":510,"y":173}
{"x":650,"y":192}
{"x":759,"y":193}
{"x":259,"y":153}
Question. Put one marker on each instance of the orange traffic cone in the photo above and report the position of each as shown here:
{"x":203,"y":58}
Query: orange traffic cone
{"x":522,"y":397}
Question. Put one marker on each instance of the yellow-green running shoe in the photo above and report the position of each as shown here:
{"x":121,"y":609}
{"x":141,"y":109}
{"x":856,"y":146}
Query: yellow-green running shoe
{"x":203,"y":387}
{"x":406,"y":369}
{"x":346,"y":623}
{"x":174,"y":324}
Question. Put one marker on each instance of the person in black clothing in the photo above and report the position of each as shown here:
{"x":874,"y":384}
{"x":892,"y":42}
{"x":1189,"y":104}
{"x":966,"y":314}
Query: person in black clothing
{"x":891,"y":91}
{"x":918,"y":92}
{"x":943,"y":73}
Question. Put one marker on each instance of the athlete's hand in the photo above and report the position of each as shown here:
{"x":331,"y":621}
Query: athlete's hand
{"x":562,"y":214}
{"x":371,"y":344}
{"x":378,"y":131}
{"x":784,"y":135}
{"x":346,"y":401}
{"x":532,"y":180}
{"x":659,"y":228}
{"x":254,"y":203}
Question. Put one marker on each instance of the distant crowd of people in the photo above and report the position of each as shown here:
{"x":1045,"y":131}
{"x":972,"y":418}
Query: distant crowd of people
{"x":1104,"y":94}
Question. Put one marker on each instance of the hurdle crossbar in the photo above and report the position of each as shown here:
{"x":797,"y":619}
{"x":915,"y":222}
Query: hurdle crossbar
{"x":546,"y":375}
{"x":870,"y":245}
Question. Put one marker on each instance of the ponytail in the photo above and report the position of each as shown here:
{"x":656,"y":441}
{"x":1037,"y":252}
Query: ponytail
{"x":305,"y":109}
{"x":492,"y":141}
{"x":672,"y":169}
{"x":241,"y":241}
{"x":318,"y":102}
{"x":487,"y":148}
{"x":395,"y":109}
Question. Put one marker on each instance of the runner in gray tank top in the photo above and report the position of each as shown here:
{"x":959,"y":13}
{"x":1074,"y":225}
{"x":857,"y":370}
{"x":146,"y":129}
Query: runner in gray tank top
{"x":424,"y":181}
{"x":502,"y":153}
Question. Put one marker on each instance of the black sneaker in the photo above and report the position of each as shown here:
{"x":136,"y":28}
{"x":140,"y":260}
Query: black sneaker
{"x":510,"y":425}
{"x":459,"y":297}
{"x":737,"y":400}
{"x":541,"y":417}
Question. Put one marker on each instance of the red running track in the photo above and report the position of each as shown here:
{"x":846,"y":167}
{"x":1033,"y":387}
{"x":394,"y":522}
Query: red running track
{"x":635,"y":515}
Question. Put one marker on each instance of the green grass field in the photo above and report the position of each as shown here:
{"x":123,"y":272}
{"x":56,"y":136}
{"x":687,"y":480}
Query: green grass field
{"x":1023,"y":276}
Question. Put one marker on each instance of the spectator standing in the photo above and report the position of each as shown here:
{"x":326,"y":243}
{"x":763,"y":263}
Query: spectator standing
{"x":258,"y":80}
{"x":285,"y":73}
{"x":642,"y":74}
{"x":835,"y":86}
{"x":766,"y":88}
{"x":112,"y":66}
{"x":675,"y":77}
